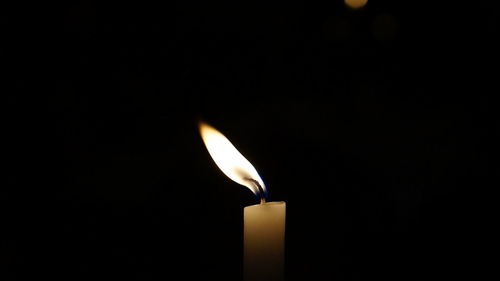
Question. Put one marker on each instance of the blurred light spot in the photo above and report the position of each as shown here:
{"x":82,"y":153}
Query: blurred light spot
{"x":355,"y":4}
{"x":336,"y":29}
{"x":385,"y":28}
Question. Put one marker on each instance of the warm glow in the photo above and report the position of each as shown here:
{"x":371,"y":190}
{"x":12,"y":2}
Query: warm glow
{"x":229,"y":159}
{"x":355,"y":4}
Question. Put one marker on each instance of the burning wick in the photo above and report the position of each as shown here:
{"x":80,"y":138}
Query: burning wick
{"x":261,"y":190}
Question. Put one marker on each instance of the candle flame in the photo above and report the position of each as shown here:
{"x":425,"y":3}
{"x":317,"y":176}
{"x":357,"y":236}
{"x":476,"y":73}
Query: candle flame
{"x":230,"y":161}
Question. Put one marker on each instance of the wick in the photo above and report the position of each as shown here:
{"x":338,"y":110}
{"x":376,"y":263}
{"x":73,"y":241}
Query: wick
{"x":259,"y":187}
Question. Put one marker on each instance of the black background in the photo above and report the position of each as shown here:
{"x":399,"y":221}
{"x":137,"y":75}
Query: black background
{"x":371,"y":124}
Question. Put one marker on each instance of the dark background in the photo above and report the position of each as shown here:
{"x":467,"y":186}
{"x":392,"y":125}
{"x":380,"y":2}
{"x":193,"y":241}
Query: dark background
{"x":371,"y":124}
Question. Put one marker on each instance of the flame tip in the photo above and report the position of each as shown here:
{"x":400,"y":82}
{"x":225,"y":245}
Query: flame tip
{"x":202,"y":124}
{"x":230,"y":161}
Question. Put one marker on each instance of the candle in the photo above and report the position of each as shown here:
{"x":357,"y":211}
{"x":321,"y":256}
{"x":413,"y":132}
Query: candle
{"x":264,"y":246}
{"x":264,"y":223}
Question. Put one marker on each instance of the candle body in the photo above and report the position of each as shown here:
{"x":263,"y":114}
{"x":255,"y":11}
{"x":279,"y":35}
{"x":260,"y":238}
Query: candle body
{"x":264,"y":242}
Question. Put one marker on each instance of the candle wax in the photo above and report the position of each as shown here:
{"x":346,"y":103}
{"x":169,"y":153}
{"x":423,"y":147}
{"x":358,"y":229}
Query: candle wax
{"x":264,"y":241}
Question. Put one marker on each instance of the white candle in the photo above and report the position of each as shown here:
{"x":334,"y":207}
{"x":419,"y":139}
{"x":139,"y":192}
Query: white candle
{"x":264,"y":241}
{"x":264,"y":223}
